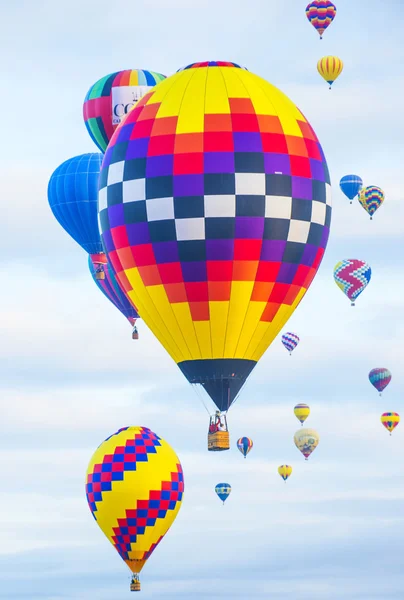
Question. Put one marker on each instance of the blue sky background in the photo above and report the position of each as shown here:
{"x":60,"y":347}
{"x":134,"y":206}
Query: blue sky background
{"x":70,"y":374}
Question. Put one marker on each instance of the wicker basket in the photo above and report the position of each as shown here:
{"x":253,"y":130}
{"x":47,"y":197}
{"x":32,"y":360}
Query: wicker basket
{"x":219,"y":441}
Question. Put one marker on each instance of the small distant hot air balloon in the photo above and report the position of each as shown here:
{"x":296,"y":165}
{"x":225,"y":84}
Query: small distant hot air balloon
{"x":352,"y":277}
{"x":134,"y":488}
{"x":244,"y":444}
{"x":223,"y":490}
{"x":390,"y":420}
{"x":351,"y":185}
{"x":380,"y":378}
{"x":285,"y":471}
{"x":321,"y":14}
{"x":371,"y":198}
{"x":306,"y":440}
{"x":330,"y":68}
{"x":290,"y":341}
{"x":302,"y":411}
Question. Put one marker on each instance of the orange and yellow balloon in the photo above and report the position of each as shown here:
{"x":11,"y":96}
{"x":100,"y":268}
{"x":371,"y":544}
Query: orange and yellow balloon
{"x":390,"y":420}
{"x":134,"y":488}
{"x":285,"y":471}
{"x":330,"y":68}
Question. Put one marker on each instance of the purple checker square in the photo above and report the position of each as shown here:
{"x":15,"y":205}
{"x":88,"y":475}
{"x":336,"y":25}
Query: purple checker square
{"x":324,"y":237}
{"x":107,"y":157}
{"x":158,"y":166}
{"x":219,"y":162}
{"x":219,"y":249}
{"x":188,"y":185}
{"x":249,"y":228}
{"x":115,"y":215}
{"x":277,"y":163}
{"x":309,"y":254}
{"x":124,"y":133}
{"x":194,"y":271}
{"x":317,"y":169}
{"x":166,"y":252}
{"x":302,"y":188}
{"x":273,"y":250}
{"x":137,"y":148}
{"x":138,"y":233}
{"x":247,"y":141}
{"x":286,"y":273}
{"x":108,"y":241}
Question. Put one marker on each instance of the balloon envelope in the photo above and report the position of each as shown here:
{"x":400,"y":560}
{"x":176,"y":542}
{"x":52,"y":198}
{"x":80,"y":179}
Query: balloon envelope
{"x":306,"y":440}
{"x":352,"y":277}
{"x":380,"y":378}
{"x":223,"y":490}
{"x":351,"y":185}
{"x":371,"y":198}
{"x":302,"y":411}
{"x":290,"y":341}
{"x":330,"y":68}
{"x":285,"y":471}
{"x":390,"y":420}
{"x":244,"y":444}
{"x":198,"y":220}
{"x":321,"y":14}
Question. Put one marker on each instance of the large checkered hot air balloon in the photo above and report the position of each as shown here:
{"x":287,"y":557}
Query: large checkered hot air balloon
{"x":134,"y":488}
{"x":215,"y":208}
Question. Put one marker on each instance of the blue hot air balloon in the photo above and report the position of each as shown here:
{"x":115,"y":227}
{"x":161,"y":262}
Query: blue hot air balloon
{"x":351,"y":185}
{"x":223,"y":491}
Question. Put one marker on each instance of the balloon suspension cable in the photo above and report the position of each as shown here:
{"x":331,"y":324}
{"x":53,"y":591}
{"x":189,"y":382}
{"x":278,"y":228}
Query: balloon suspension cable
{"x":199,"y":394}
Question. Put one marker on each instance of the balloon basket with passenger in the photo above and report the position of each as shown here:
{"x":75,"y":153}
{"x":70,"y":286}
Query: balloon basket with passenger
{"x":218,"y":435}
{"x":135,"y":583}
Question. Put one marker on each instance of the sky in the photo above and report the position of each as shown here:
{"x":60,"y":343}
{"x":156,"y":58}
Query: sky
{"x":70,"y":374}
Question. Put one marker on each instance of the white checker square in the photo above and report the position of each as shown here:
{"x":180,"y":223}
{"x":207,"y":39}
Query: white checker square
{"x":134,"y":190}
{"x":298,"y":231}
{"x":278,"y":207}
{"x":160,"y":209}
{"x":250,"y":184}
{"x":190,"y":229}
{"x":328,"y":194}
{"x":102,"y":199}
{"x":220,"y":206}
{"x":318,"y":212}
{"x":115,"y":172}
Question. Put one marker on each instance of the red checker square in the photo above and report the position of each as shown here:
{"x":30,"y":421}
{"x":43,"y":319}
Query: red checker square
{"x":188,"y":164}
{"x":261,"y":291}
{"x":160,"y":145}
{"x":136,"y":114}
{"x":124,"y":281}
{"x":90,"y":478}
{"x":269,"y":124}
{"x":140,"y":450}
{"x":129,"y":457}
{"x":126,"y":259}
{"x":181,"y":486}
{"x":114,"y":259}
{"x":126,"y":539}
{"x":245,"y":122}
{"x":174,"y":495}
{"x":166,"y":486}
{"x":188,"y":142}
{"x":199,"y":311}
{"x":150,"y":275}
{"x":247,"y":249}
{"x":164,"y":504}
{"x":130,"y":514}
{"x":318,"y":259}
{"x":197,"y":291}
{"x":268,"y":271}
{"x":241,"y":106}
{"x":117,"y":467}
{"x":91,"y":498}
{"x":269,"y":312}
{"x":309,"y":278}
{"x":154,"y":495}
{"x":130,"y":443}
{"x":219,"y":270}
{"x":279,"y":292}
{"x":300,"y":166}
{"x":106,"y":476}
{"x":144,"y":255}
{"x":132,"y":530}
{"x":141,"y":522}
{"x":108,"y":458}
{"x":307,"y":131}
{"x":119,"y":450}
{"x":148,"y":112}
{"x":218,"y":141}
{"x":149,"y":442}
{"x":142,"y":129}
{"x":153,"y":513}
{"x":120,"y":237}
{"x":175,"y":476}
{"x":244,"y":270}
{"x":274,"y":142}
{"x":116,"y":530}
{"x":143,"y":505}
{"x":164,"y":126}
{"x":292,"y":294}
{"x":218,"y":291}
{"x":170,"y":273}
{"x":300,"y":275}
{"x":313,"y":150}
{"x":296,"y":145}
{"x":218,"y":123}
{"x":97,"y":486}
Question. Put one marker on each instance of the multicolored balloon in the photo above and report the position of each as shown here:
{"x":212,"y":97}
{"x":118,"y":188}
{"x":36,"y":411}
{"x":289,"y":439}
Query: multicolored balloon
{"x":371,"y":198}
{"x":380,"y":378}
{"x":203,"y":233}
{"x":110,"y":99}
{"x":330,"y":68}
{"x":223,"y":490}
{"x":351,"y":185}
{"x":352,"y":277}
{"x":290,"y":341}
{"x":134,"y":488}
{"x":244,"y":444}
{"x":390,"y":420}
{"x":321,"y":14}
{"x":306,"y":440}
{"x":285,"y":471}
{"x":302,"y":411}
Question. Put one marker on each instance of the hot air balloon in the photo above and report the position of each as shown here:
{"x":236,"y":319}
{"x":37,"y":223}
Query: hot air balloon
{"x":110,"y":99}
{"x":380,"y":378}
{"x":301,"y":411}
{"x":352,"y":277}
{"x":198,"y":221}
{"x":244,"y":444}
{"x":72,"y":196}
{"x":134,"y":488}
{"x":285,"y":471}
{"x":306,"y":440}
{"x":223,"y":491}
{"x":351,"y":185}
{"x":371,"y":198}
{"x":330,"y":68}
{"x":109,"y":286}
{"x":390,"y":420}
{"x":321,"y":14}
{"x":290,"y":341}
